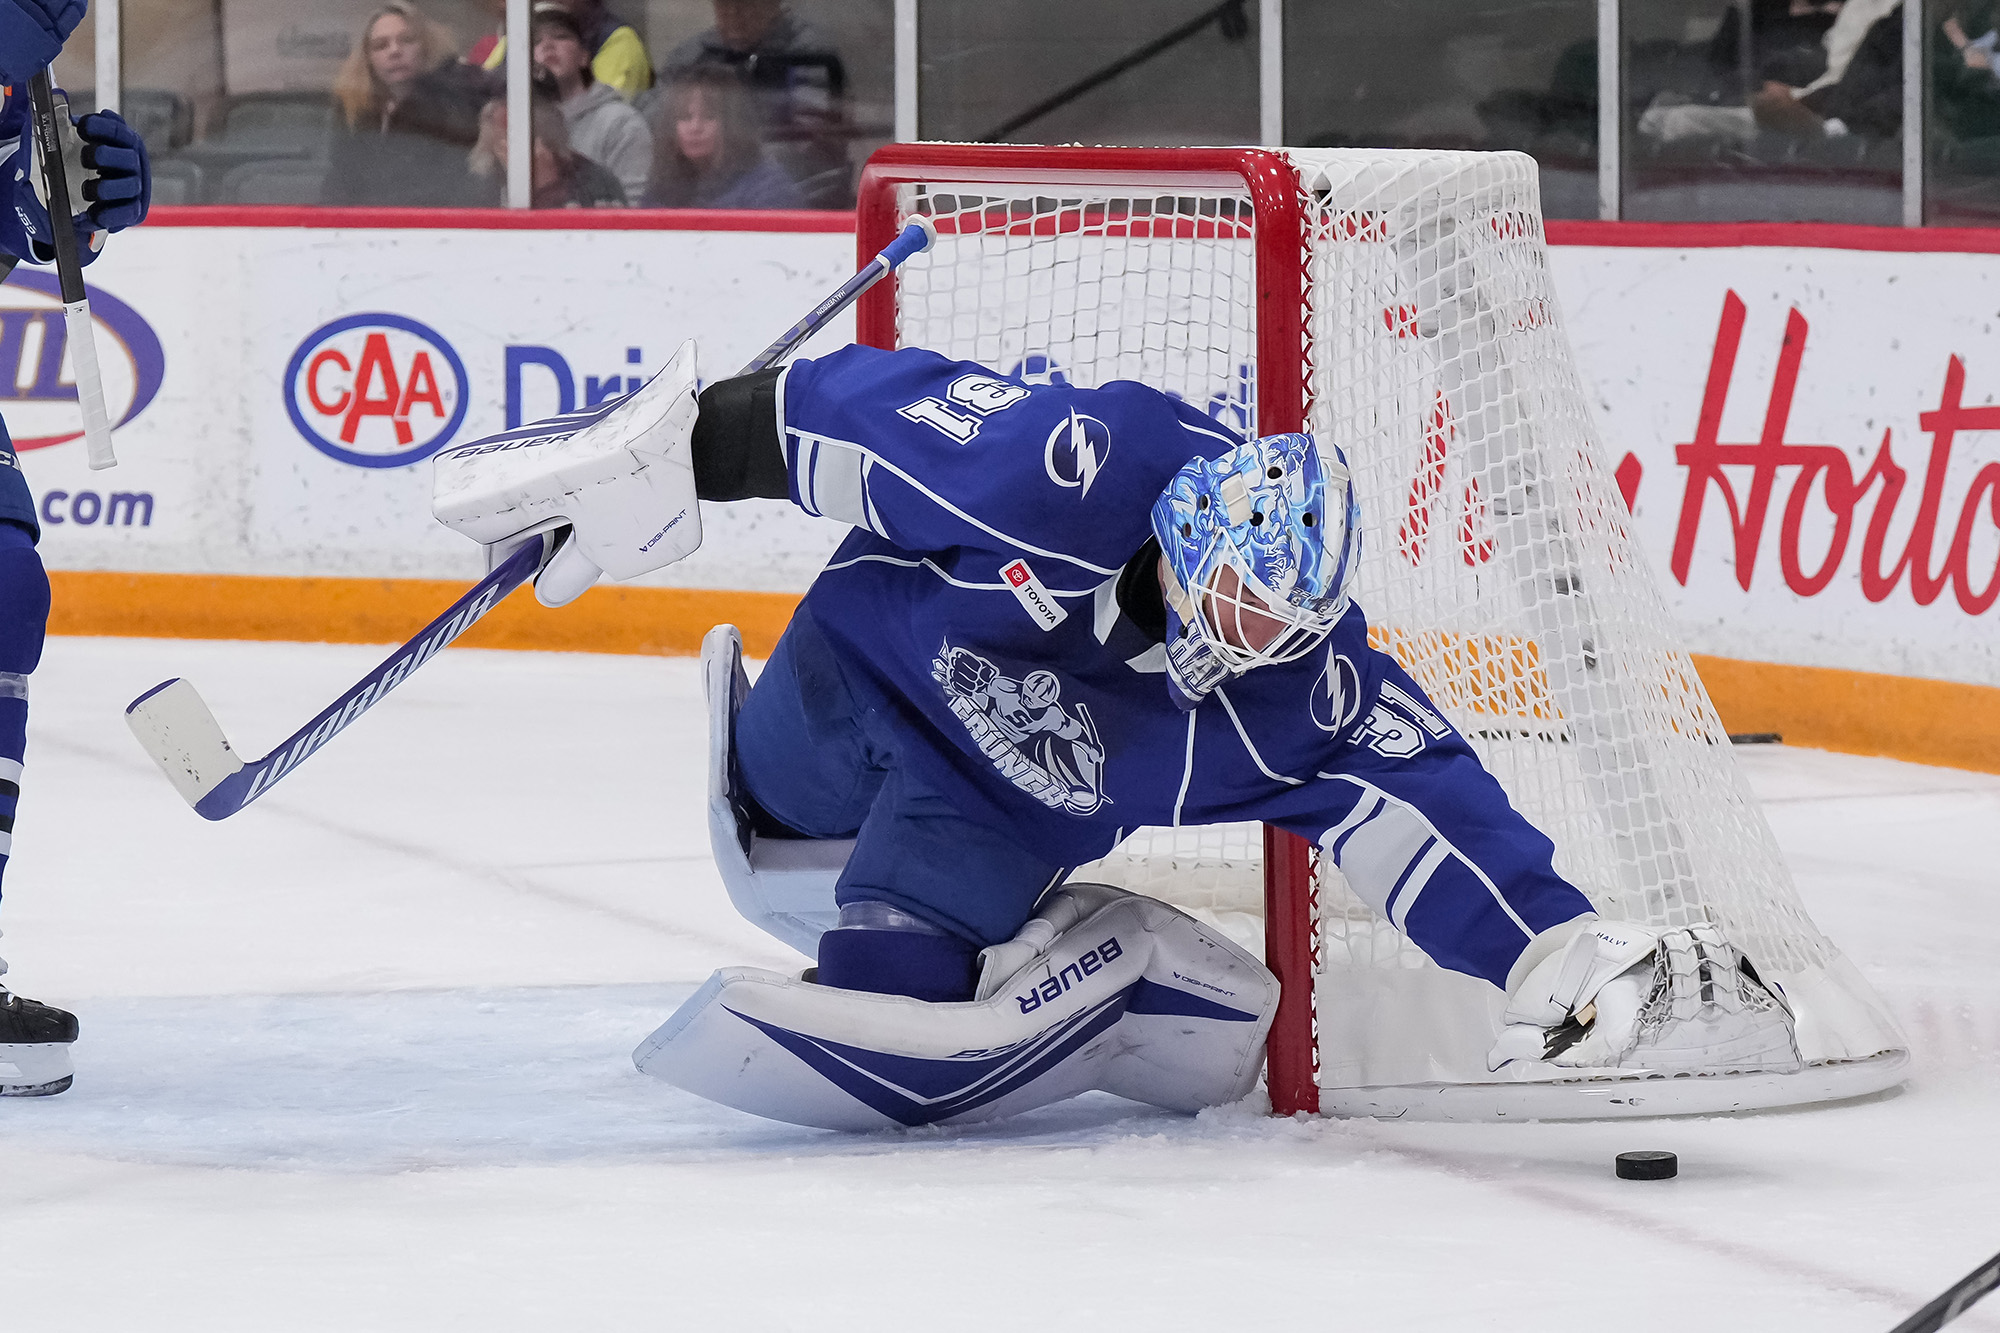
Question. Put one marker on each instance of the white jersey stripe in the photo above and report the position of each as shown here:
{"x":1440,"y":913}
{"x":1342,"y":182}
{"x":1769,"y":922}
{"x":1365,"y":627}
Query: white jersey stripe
{"x":944,"y":504}
{"x":1468,"y":862}
{"x":1244,"y":736}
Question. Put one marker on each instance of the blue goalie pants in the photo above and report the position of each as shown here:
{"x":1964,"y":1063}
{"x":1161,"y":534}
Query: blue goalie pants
{"x":821,"y":766}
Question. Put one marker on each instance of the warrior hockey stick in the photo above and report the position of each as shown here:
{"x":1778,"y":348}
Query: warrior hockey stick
{"x":179,"y":731}
{"x":51,"y":116}
{"x":1955,"y":1301}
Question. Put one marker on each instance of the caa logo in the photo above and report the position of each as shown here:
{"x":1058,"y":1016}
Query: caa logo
{"x":1336,"y":696}
{"x":376,"y":390}
{"x":37,"y":387}
{"x":1076,"y":451}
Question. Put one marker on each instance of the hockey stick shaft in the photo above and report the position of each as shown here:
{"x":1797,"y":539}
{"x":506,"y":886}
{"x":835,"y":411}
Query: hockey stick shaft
{"x":1956,"y":1300}
{"x":69,"y":274}
{"x":178,"y":730}
{"x":915,"y":238}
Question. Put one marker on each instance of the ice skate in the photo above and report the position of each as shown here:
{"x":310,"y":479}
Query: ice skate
{"x":34,"y":1046}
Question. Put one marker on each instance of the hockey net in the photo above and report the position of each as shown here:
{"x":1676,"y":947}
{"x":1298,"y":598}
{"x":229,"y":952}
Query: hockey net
{"x":1398,"y":302}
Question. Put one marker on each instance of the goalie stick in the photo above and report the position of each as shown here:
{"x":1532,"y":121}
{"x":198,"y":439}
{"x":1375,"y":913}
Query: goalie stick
{"x":51,"y":115}
{"x":177,"y":729}
{"x":1957,"y":1299}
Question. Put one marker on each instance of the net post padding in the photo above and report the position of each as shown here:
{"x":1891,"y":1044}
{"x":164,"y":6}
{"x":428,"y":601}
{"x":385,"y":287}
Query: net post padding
{"x":1398,"y":302}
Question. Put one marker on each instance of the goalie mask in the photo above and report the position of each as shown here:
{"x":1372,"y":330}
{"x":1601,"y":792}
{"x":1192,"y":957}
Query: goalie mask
{"x":1261,"y":546}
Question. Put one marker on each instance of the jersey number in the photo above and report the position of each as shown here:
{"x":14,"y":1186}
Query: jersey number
{"x":981,"y":394}
{"x":1398,"y":725}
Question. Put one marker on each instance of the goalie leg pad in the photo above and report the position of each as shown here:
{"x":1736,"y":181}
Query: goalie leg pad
{"x":1131,"y":997}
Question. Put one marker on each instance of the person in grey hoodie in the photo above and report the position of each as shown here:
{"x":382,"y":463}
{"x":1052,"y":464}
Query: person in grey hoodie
{"x":602,"y":125}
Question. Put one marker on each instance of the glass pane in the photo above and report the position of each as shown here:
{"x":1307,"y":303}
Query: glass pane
{"x":1962,"y":180}
{"x":1010,"y":73}
{"x":1770,"y":110}
{"x":368,"y":102}
{"x":820,"y":77}
{"x":1518,"y":74}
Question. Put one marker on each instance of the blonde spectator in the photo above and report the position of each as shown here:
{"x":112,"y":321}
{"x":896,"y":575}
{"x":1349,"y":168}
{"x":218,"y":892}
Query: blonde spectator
{"x":407,"y":111}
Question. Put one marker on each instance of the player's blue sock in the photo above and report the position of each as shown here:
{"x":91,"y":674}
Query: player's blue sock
{"x":24,"y":615}
{"x":878,"y":948}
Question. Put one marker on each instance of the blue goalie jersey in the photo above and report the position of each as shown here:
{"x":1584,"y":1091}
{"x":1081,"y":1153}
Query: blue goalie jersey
{"x":974,"y":612}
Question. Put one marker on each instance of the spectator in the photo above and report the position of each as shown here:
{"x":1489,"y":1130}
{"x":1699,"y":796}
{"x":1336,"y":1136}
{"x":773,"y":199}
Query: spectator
{"x":706,"y":152}
{"x":602,"y":125}
{"x":1787,"y":42}
{"x":560,"y":176}
{"x":1861,"y":91}
{"x":1965,"y":95}
{"x":407,"y":111}
{"x":800,"y":84}
{"x":617,"y":56}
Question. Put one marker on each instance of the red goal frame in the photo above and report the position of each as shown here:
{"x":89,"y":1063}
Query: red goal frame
{"x":1283,"y":387}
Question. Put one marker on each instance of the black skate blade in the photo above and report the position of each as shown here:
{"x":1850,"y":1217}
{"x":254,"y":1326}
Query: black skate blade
{"x":48,"y":1089}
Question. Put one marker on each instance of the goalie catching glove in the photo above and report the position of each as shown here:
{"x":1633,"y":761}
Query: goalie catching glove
{"x":620,"y":477}
{"x":1620,"y":996}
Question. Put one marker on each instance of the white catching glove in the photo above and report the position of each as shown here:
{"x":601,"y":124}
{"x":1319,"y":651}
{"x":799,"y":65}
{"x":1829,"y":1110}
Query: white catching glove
{"x":1620,"y":996}
{"x":622,"y":477}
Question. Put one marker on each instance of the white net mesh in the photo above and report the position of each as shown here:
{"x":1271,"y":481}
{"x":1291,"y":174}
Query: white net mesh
{"x":1498,"y":564}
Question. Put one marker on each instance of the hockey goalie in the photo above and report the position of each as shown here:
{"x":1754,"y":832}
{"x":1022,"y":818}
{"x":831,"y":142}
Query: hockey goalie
{"x":1062,"y":614}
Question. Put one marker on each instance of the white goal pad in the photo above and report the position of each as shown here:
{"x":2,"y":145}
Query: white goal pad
{"x":1400,"y":303}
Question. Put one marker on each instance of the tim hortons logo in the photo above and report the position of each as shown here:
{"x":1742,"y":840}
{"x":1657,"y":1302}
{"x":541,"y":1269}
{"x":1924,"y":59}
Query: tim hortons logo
{"x":1825,"y":470}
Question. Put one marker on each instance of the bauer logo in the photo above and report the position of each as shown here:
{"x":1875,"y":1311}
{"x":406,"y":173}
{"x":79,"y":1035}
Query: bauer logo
{"x":376,"y":390}
{"x":1072,"y":974}
{"x":1076,"y":451}
{"x":37,"y":381}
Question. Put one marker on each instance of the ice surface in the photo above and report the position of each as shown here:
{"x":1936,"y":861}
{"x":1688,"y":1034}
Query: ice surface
{"x":358,"y":1058}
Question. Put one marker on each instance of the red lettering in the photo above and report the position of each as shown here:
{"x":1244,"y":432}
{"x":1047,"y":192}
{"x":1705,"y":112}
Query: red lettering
{"x":376,"y":362}
{"x":422,"y":388}
{"x":1829,"y":468}
{"x":320,"y":405}
{"x":1960,"y":560}
{"x":1414,"y":534}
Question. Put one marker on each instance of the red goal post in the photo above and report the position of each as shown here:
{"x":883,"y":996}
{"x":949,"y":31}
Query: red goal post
{"x":1279,"y":241}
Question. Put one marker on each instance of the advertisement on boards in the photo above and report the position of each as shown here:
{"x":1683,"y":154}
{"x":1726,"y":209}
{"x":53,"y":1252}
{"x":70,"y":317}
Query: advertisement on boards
{"x":1809,"y":438}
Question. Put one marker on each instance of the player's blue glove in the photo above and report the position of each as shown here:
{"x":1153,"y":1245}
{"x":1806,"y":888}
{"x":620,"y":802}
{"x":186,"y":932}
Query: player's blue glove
{"x":122,"y":190}
{"x":32,"y":33}
{"x":111,"y":182}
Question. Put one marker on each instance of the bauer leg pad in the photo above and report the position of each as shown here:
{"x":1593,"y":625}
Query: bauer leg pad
{"x":1102,"y":990}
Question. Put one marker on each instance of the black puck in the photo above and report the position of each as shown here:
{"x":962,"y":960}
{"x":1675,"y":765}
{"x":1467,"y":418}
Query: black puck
{"x":1648,"y":1166}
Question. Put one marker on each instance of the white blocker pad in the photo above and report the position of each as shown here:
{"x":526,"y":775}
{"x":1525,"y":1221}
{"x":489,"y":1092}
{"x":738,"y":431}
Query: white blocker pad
{"x":1133,"y":998}
{"x":783,"y":886}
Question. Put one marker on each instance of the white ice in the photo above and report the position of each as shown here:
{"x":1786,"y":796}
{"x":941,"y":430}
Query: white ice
{"x":358,"y":1058}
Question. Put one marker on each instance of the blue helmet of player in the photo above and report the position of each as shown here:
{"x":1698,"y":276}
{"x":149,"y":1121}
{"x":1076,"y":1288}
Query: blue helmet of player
{"x":1261,"y":547}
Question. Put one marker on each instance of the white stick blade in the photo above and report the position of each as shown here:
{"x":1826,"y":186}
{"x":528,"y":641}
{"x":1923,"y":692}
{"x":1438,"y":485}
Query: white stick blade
{"x":176,"y":728}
